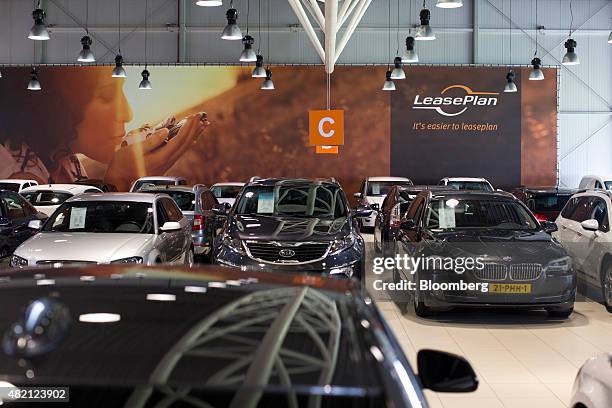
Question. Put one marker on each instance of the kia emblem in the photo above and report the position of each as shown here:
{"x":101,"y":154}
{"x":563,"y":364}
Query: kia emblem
{"x":286,"y":253}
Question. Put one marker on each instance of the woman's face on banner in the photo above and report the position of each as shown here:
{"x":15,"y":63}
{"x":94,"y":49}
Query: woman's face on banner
{"x":103,"y":124}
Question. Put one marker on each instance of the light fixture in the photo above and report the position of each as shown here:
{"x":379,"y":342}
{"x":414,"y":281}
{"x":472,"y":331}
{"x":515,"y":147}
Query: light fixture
{"x":119,"y":71}
{"x":145,"y":83}
{"x":34,"y":84}
{"x":410,"y":55}
{"x":536,"y":74}
{"x":424,"y":31}
{"x":209,"y":3}
{"x":259,"y":71}
{"x":86,"y":55}
{"x":570,"y":57}
{"x":449,"y":3}
{"x":248,"y":55}
{"x":398,"y":72}
{"x":232,"y":31}
{"x":99,"y":318}
{"x":39,"y":31}
{"x":389,"y":85}
{"x":161,"y":297}
{"x":510,"y":85}
{"x":267,"y":83}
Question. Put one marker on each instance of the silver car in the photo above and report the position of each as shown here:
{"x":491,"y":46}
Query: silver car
{"x":115,"y":228}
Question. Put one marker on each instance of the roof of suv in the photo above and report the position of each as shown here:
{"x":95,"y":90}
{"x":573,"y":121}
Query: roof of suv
{"x":135,"y":197}
{"x":599,"y":191}
{"x":273,"y":181}
{"x":470,"y":193}
{"x":388,"y":178}
{"x":168,"y":178}
{"x":548,"y":190}
{"x":465,"y":179}
{"x":162,"y":189}
{"x":67,"y":188}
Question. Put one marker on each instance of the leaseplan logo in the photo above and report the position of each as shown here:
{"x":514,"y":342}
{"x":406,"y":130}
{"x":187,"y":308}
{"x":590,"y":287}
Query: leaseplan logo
{"x":443,"y":104}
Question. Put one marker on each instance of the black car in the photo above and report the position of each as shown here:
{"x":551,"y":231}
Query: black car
{"x":545,"y":203}
{"x":119,"y":336}
{"x":295,"y":225}
{"x":15,"y":215}
{"x":514,"y":260}
{"x":389,"y":215}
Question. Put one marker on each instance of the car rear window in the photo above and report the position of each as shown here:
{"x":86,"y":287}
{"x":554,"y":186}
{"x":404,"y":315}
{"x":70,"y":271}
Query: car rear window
{"x":10,"y":186}
{"x":43,"y":198}
{"x":548,"y":202}
{"x":184,"y":199}
{"x":226,"y":191}
{"x":150,"y":183}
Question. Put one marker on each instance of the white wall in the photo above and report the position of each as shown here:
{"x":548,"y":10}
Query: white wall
{"x":476,"y":33}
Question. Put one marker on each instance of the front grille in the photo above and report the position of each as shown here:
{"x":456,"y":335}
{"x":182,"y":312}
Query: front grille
{"x":492,"y":272}
{"x":58,"y":263}
{"x":525,"y":271}
{"x":295,"y":252}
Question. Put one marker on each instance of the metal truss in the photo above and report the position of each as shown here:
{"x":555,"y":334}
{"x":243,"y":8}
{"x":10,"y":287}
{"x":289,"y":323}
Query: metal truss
{"x":250,"y":336}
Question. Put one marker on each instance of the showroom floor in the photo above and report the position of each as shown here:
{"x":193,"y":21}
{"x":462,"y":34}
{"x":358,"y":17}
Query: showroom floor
{"x":523,"y":359}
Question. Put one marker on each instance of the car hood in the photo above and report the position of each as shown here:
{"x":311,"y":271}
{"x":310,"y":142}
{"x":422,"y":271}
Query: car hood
{"x":268,"y":227}
{"x":508,"y":245}
{"x":83,"y":246}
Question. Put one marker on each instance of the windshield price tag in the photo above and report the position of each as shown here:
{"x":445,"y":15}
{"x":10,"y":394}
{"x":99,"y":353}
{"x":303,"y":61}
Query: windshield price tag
{"x":265,"y":203}
{"x":77,"y":217}
{"x":447,"y":216}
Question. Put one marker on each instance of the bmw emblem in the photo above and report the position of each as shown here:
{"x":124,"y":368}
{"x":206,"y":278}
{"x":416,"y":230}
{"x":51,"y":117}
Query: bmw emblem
{"x":286,"y":253}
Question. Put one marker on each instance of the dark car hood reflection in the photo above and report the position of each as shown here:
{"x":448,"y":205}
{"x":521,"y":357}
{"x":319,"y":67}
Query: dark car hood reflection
{"x":269,"y":227}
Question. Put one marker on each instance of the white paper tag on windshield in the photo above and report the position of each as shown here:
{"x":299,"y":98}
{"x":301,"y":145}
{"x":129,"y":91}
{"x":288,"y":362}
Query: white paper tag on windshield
{"x":447,"y":216}
{"x":77,"y":217}
{"x":265,"y":203}
{"x":375,"y":189}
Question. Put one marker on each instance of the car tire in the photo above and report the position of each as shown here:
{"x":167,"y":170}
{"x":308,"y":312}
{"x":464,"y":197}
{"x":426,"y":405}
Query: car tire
{"x":606,"y":285}
{"x":560,"y":313}
{"x":378,"y":245}
{"x":420,"y":308}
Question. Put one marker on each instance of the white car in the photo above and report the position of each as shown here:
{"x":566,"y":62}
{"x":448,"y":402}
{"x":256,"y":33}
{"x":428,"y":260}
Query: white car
{"x":596,"y":182}
{"x":593,"y":385}
{"x":373,"y":191}
{"x":110,"y":228}
{"x":226,"y":192}
{"x":47,"y":197}
{"x":16,"y":185}
{"x":467,"y":183}
{"x":151,"y":181}
{"x":584,"y":230}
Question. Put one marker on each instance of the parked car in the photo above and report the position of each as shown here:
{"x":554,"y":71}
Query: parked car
{"x":467,"y":183}
{"x":520,"y":263}
{"x":225,"y":338}
{"x":110,"y":228}
{"x":293,"y":225}
{"x":46,"y":198}
{"x":226,"y":192}
{"x":199,"y":205}
{"x":101,"y":184}
{"x":593,"y":384}
{"x":16,"y":185}
{"x":544,"y":203}
{"x":584,"y":231}
{"x":150,"y":181}
{"x":596,"y":182}
{"x":372,"y":193}
{"x":15,"y":215}
{"x":393,"y":207}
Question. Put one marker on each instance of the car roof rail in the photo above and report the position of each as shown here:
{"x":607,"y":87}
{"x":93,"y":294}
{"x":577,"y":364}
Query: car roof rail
{"x":596,"y":190}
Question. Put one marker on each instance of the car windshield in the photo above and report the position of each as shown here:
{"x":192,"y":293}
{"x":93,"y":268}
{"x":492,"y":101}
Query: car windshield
{"x":470,"y":185}
{"x":45,"y":197}
{"x":322,"y":200}
{"x":449,"y":213}
{"x":10,"y":186}
{"x":381,"y":188}
{"x":184,"y":199}
{"x":140,"y":184}
{"x":608,"y":185}
{"x":102,"y":216}
{"x":226,"y":191}
{"x":548,"y":202}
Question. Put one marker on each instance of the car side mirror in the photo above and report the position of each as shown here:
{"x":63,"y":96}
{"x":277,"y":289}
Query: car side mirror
{"x":408,"y":225}
{"x":362,"y":211}
{"x":221,"y":209}
{"x":590,"y":225}
{"x":549,"y":226}
{"x":440,"y":371}
{"x":357,"y":195}
{"x":35,"y":225}
{"x":170,"y":226}
{"x":375,"y":207}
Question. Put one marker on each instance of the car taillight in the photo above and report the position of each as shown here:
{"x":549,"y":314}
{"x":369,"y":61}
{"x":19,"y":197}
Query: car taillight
{"x":540,"y":217}
{"x":198,"y":223}
{"x":395,"y":220}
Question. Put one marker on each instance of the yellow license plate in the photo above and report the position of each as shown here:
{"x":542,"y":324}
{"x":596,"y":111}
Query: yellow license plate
{"x":510,"y":288}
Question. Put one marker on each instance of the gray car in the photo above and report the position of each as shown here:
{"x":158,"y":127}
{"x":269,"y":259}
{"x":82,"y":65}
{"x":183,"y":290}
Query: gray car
{"x":116,"y":228}
{"x":203,"y":211}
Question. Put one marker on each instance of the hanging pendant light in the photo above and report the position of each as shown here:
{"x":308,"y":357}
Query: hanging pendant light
{"x":570,"y":57}
{"x":389,"y":85}
{"x":248,"y":55}
{"x":119,"y":71}
{"x":34,"y":84}
{"x":510,"y":85}
{"x":267,"y":83}
{"x":536,"y":74}
{"x":86,"y":55}
{"x":449,"y":3}
{"x":232,"y":31}
{"x":424,"y":30}
{"x":209,"y":3}
{"x":259,"y":71}
{"x":39,"y":32}
{"x":398,"y":71}
{"x":145,"y":83}
{"x":410,"y":55}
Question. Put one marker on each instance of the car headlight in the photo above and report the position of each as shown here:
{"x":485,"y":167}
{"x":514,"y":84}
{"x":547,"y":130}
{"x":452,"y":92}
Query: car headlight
{"x":233,"y":243}
{"x":130,"y":260}
{"x":342,"y":244}
{"x":18,"y":262}
{"x":561,"y":265}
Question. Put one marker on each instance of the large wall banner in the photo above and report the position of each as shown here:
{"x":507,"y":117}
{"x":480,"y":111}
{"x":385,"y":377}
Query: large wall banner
{"x":442,"y":121}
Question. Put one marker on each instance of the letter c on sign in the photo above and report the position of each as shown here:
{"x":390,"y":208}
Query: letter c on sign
{"x":322,"y":122}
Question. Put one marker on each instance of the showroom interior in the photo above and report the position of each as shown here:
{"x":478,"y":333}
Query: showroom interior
{"x":269,"y":179}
